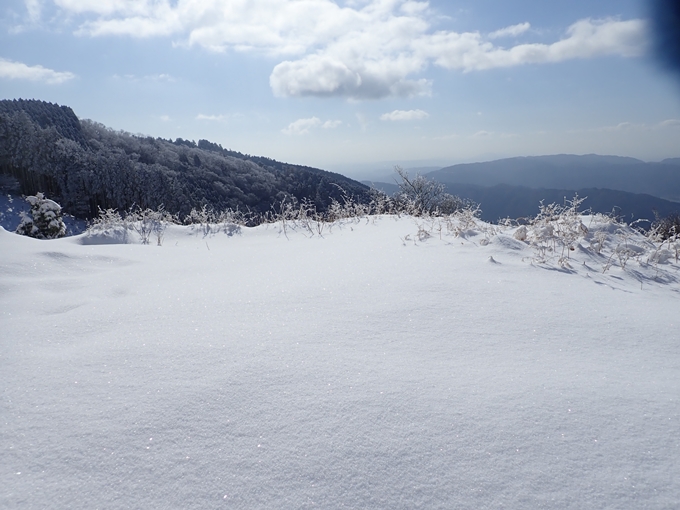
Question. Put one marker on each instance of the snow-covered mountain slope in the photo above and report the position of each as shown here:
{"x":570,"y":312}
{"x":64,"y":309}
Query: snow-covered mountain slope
{"x":372,"y":367}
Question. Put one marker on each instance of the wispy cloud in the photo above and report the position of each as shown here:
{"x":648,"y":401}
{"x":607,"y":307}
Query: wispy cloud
{"x":212,"y":118}
{"x":452,"y":136}
{"x":363,"y":121}
{"x":34,"y":9}
{"x":368,"y":49}
{"x":512,"y":31}
{"x":482,"y":134}
{"x":304,"y":126}
{"x":20,"y":71}
{"x":162,"y":77}
{"x":301,"y":126}
{"x":632,"y":126}
{"x":397,"y":115}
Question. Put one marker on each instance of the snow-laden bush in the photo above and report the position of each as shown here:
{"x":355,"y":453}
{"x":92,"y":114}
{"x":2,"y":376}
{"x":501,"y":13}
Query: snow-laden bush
{"x":109,"y":227}
{"x":149,"y":222}
{"x":667,"y":228}
{"x":210,"y":221}
{"x":45,"y":221}
{"x":556,"y":228}
{"x":113,"y":227}
{"x":421,"y":196}
{"x":559,"y":230}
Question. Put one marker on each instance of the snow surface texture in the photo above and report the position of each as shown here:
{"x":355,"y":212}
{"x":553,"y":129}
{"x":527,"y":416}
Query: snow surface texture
{"x":378,"y":366}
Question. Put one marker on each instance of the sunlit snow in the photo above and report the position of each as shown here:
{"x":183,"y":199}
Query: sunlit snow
{"x":371,"y":367}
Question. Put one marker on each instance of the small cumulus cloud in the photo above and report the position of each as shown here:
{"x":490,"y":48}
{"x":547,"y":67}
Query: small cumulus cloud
{"x":329,"y":76}
{"x":331,"y":124}
{"x":165,"y":118}
{"x":398,"y":115}
{"x":512,"y":31}
{"x":20,"y":71}
{"x":301,"y":126}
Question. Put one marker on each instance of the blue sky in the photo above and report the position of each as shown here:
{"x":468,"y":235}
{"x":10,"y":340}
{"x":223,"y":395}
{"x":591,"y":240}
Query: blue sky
{"x":353,"y":85}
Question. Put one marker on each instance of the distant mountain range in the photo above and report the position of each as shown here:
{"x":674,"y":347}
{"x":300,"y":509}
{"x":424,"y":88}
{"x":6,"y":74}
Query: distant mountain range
{"x":514,"y":187}
{"x":569,"y":172}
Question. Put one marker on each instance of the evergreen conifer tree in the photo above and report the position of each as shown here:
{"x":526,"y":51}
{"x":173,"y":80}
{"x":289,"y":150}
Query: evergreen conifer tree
{"x":45,"y":221}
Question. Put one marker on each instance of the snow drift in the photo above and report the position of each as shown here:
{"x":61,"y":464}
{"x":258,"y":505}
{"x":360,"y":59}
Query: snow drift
{"x":389,"y":363}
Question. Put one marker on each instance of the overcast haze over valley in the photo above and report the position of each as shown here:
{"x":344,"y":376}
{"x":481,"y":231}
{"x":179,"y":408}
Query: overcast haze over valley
{"x":353,"y":86}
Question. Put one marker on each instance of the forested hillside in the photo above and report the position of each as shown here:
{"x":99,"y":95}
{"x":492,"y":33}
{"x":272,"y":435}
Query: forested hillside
{"x":85,"y":166}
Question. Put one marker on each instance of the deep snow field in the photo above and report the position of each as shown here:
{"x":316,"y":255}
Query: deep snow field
{"x":362,"y":369}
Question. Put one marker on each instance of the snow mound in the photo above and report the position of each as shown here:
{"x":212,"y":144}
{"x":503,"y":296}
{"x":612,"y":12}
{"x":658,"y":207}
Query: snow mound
{"x":380,"y":363}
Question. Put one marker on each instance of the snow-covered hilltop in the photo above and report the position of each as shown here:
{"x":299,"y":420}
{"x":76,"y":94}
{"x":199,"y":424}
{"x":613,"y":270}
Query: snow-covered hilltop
{"x":381,"y":362}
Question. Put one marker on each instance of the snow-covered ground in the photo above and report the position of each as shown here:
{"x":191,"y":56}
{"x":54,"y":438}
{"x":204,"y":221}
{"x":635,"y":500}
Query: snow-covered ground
{"x":367,"y":368}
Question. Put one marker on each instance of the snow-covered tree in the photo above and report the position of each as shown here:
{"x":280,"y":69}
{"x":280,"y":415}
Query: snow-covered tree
{"x":45,"y":220}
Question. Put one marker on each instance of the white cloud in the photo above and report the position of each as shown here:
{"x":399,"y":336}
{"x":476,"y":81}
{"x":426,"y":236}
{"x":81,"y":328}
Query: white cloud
{"x":405,"y":115}
{"x":631,"y":126}
{"x":212,"y":118}
{"x":585,"y":39}
{"x":19,"y":71}
{"x":363,"y":121}
{"x":34,"y":9}
{"x":315,"y":75}
{"x":165,"y":118}
{"x":301,"y":126}
{"x":304,"y":126}
{"x":148,"y":78}
{"x":363,"y":49}
{"x":669,"y":123}
{"x":512,"y":31}
{"x":482,"y":134}
{"x":452,"y":136}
